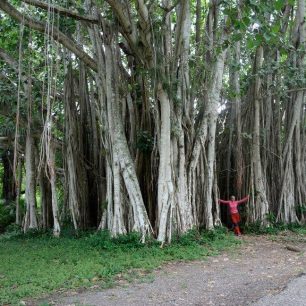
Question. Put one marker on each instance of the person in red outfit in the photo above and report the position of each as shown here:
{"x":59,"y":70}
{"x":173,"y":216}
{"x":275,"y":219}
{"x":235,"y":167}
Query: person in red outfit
{"x":233,"y":206}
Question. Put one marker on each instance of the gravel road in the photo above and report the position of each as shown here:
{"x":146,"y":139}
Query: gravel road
{"x":294,"y":294}
{"x":260,"y":272}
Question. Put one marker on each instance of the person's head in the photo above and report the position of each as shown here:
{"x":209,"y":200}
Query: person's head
{"x":232,"y":198}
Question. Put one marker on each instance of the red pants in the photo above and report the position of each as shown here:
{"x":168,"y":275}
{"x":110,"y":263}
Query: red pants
{"x":236,"y":219}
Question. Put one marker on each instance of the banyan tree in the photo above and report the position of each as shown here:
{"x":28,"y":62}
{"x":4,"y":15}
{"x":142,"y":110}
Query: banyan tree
{"x":138,"y":115}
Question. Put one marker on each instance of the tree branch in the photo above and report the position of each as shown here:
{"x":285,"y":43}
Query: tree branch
{"x":8,"y":59}
{"x":127,"y":28}
{"x":117,"y":8}
{"x":296,"y":89}
{"x":145,"y":31}
{"x":55,"y":33}
{"x":169,"y":9}
{"x":12,"y":63}
{"x":62,"y":11}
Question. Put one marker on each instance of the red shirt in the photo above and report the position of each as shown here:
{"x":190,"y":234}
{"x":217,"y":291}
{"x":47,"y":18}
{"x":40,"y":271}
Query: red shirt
{"x":233,"y":204}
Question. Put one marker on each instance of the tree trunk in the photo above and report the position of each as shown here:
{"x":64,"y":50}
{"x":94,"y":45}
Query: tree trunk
{"x":165,"y":184}
{"x":45,"y":200}
{"x":30,"y":219}
{"x":292,"y":191}
{"x":120,"y":147}
{"x":18,"y":190}
{"x":212,"y":111}
{"x":8,"y":182}
{"x":51,"y":168}
{"x":261,"y":202}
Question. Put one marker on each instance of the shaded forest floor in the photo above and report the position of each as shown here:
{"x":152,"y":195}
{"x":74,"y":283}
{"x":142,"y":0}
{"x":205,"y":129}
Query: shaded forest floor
{"x":261,"y":266}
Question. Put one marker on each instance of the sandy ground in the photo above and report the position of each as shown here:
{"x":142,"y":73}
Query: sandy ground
{"x":260,"y":272}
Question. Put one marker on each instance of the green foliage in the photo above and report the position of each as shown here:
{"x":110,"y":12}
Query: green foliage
{"x":13,"y":230}
{"x":301,"y":209}
{"x":257,"y":229}
{"x":7,"y":216}
{"x":273,"y":228}
{"x":1,"y":169}
{"x":67,"y":26}
{"x":192,"y":237}
{"x":7,"y":127}
{"x":296,"y":228}
{"x":9,"y":37}
{"x":104,"y":241}
{"x":204,"y":237}
{"x":144,"y":141}
{"x":39,"y":264}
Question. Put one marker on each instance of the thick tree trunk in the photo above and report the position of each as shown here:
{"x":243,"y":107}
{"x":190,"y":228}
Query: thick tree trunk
{"x":30,"y":219}
{"x":51,"y":168}
{"x":75,"y":168}
{"x":91,"y":149}
{"x":212,"y":111}
{"x":292,"y":191}
{"x":181,"y":118}
{"x":261,"y":202}
{"x":165,"y":184}
{"x":236,"y":123}
{"x":18,"y":190}
{"x":121,"y":151}
{"x":8,"y":182}
{"x":45,"y":200}
{"x":118,"y":227}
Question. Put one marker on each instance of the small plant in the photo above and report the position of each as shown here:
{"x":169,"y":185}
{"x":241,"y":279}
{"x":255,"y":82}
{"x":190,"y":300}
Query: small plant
{"x":219,"y":233}
{"x":144,"y":141}
{"x":103,"y":240}
{"x":12,"y":231}
{"x":7,"y":216}
{"x":301,"y":209}
{"x":273,"y":229}
{"x":271,"y":218}
{"x":191,"y":237}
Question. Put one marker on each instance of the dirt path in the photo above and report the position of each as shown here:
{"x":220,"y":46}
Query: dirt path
{"x":261,"y":267}
{"x":294,"y":294}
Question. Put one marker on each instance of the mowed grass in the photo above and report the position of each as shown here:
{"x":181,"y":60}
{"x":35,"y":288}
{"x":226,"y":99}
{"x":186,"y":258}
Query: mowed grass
{"x":33,"y":267}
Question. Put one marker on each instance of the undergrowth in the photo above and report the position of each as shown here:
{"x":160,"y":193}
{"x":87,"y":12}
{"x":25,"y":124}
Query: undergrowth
{"x":36,"y":264}
{"x":7,"y":216}
{"x":274,"y":228}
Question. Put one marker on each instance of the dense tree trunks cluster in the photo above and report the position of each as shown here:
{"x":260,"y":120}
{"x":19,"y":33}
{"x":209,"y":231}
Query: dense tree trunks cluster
{"x":273,"y":131}
{"x":151,"y":111}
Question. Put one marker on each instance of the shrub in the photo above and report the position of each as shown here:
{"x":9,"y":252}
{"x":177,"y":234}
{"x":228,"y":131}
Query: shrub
{"x":189,"y":238}
{"x":273,"y":229}
{"x":7,"y":216}
{"x":217,"y":234}
{"x":103,"y":240}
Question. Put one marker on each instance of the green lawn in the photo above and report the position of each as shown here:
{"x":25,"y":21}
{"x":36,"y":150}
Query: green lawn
{"x":35,"y":266}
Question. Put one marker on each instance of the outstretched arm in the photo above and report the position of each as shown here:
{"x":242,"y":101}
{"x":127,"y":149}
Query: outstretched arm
{"x":243,"y":200}
{"x":223,"y":202}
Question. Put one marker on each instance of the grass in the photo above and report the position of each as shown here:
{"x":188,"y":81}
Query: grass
{"x":36,"y":265}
